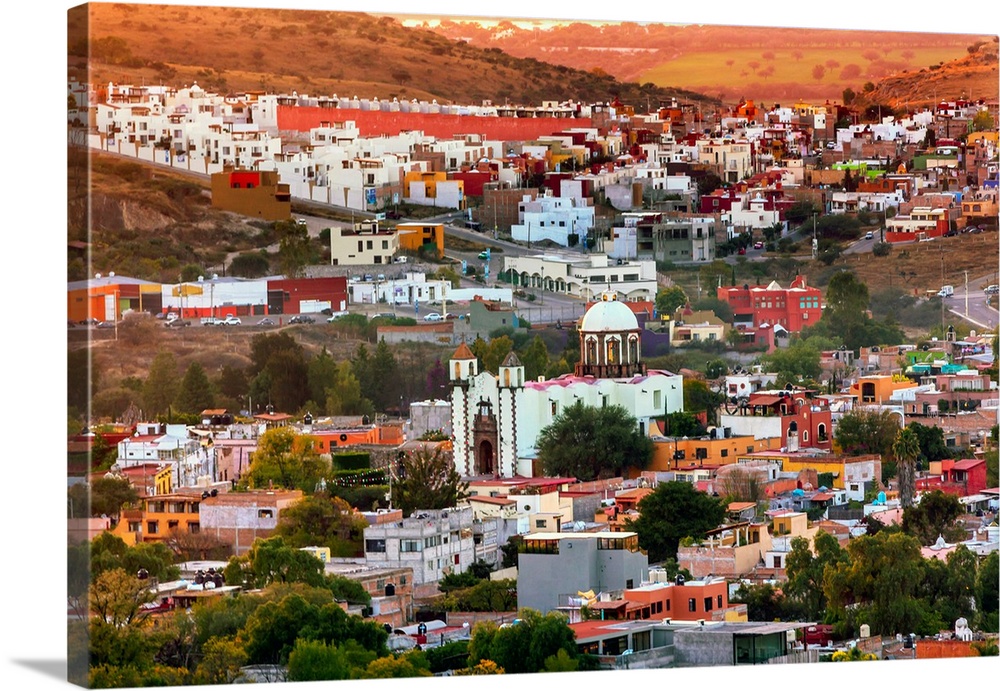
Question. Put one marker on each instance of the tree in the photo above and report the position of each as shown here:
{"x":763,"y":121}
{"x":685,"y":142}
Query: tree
{"x":798,"y":362}
{"x":250,"y":265}
{"x":317,"y":661}
{"x":535,"y":359}
{"x":409,"y":664}
{"x":221,"y":659}
{"x":988,"y":592}
{"x":669,"y":299}
{"x":428,"y":480}
{"x":933,"y":517}
{"x":862,"y":432}
{"x":109,"y":494}
{"x":117,"y":598}
{"x":931,"y":441}
{"x":878,"y":584}
{"x":344,"y":394}
{"x":587,"y":442}
{"x":195,"y":394}
{"x":161,"y":385}
{"x":294,"y":248}
{"x":524,"y":646}
{"x":672,"y":512}
{"x":805,"y":572}
{"x":323,"y":520}
{"x":848,"y":94}
{"x":285,"y":458}
{"x":764,"y":601}
{"x":321,"y":372}
{"x":818,"y":72}
{"x":906,"y":450}
{"x":271,"y":560}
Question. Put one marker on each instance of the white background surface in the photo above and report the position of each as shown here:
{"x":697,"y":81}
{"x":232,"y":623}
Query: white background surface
{"x":33,"y":561}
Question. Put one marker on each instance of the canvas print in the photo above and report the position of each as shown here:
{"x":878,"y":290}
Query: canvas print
{"x":413,"y":345}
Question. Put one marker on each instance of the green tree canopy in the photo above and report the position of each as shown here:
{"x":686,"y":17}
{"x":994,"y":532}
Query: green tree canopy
{"x":672,"y":512}
{"x":525,"y":645}
{"x":862,"y":432}
{"x":806,"y":571}
{"x":936,"y":515}
{"x":587,"y":442}
{"x":427,"y":480}
{"x":669,"y":299}
{"x":322,"y":520}
{"x":162,"y":384}
{"x":271,"y":560}
{"x":285,"y":458}
{"x":195,"y":393}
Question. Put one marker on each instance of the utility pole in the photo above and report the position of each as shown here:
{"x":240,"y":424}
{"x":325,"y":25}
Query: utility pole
{"x":966,"y":293}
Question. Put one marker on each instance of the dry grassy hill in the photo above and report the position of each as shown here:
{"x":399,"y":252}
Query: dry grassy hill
{"x":315,"y":52}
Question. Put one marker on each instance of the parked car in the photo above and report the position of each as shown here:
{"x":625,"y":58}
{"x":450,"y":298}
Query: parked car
{"x":991,"y":290}
{"x":231,"y":320}
{"x":301,"y":319}
{"x":177,"y":323}
{"x":743,"y":250}
{"x":89,"y":322}
{"x":758,"y":245}
{"x":869,"y":235}
{"x":106,"y":325}
{"x":210,"y":321}
{"x":266,"y":321}
{"x":384,"y":315}
{"x":433,"y":317}
{"x":485,"y":254}
{"x":336,"y":315}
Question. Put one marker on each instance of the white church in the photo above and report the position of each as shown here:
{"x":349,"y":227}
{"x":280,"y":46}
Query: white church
{"x":497,"y":418}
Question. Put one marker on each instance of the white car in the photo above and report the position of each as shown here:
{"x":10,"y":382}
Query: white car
{"x":230,"y":320}
{"x":869,"y":235}
{"x":433,"y":317}
{"x":336,"y":315}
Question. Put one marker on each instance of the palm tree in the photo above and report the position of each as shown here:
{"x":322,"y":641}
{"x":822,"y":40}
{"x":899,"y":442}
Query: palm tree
{"x":906,"y":449}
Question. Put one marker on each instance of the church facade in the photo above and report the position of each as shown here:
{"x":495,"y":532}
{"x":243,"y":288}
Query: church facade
{"x":496,"y":418}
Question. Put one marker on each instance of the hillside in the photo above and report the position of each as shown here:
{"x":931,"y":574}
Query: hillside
{"x":778,"y":64}
{"x":319,"y":52}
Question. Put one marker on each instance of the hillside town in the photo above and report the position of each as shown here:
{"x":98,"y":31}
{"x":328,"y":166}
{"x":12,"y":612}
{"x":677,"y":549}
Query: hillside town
{"x":555,"y":488}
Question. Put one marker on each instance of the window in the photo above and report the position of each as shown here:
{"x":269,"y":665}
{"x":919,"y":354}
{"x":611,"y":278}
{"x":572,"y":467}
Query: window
{"x":194,"y":528}
{"x":692,"y":605}
{"x":432,"y":541}
{"x":718,"y":601}
{"x":410,"y":546}
{"x":265,"y":513}
{"x":540,"y":523}
{"x":374,"y":545}
{"x":708,"y":603}
{"x":368,"y":244}
{"x":152,"y":527}
{"x":133,"y":526}
{"x":171,"y":525}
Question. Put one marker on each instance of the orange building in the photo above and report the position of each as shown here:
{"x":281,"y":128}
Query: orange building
{"x":706,"y":599}
{"x":160,"y":517}
{"x":105,"y":298}
{"x":327,"y":441}
{"x":878,"y":388}
{"x":414,"y":236}
{"x":671,"y":454}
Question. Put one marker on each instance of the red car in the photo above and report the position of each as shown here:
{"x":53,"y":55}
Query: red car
{"x":743,"y":250}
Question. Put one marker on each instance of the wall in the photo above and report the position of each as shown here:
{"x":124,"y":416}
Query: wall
{"x":378,"y":123}
{"x":696,"y":648}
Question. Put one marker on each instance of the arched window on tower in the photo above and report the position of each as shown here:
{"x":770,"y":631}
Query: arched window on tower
{"x":591,"y":351}
{"x":613,"y":347}
{"x":633,"y":349}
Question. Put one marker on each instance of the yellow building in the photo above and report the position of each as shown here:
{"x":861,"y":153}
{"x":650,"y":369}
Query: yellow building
{"x":413,"y":236}
{"x":423,"y":186}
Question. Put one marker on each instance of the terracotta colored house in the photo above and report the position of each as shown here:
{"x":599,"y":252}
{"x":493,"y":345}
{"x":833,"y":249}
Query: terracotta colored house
{"x":961,"y":478}
{"x":793,"y":307}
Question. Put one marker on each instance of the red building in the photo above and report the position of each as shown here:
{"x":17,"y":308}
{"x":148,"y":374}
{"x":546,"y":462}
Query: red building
{"x":286,"y":295}
{"x":961,"y":478}
{"x":793,"y":307}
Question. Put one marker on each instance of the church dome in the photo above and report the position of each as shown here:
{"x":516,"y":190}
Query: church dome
{"x":609,"y":315}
